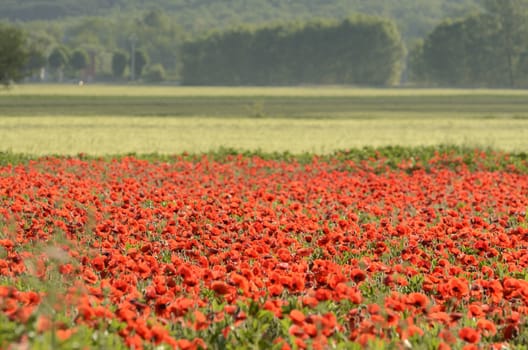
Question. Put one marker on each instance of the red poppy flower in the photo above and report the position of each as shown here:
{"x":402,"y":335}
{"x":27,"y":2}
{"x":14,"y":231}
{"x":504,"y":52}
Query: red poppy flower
{"x":469,"y":335}
{"x":220,"y":287}
{"x":417,"y":300}
{"x":487,"y":328}
{"x":358,"y":275}
{"x":64,"y":334}
{"x":297,"y":316}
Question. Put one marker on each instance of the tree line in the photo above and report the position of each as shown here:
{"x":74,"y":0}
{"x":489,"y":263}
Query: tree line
{"x":79,"y":63}
{"x":20,"y":58}
{"x":360,"y":50}
{"x":102,"y":27}
{"x":152,"y":33}
{"x":488,"y":48}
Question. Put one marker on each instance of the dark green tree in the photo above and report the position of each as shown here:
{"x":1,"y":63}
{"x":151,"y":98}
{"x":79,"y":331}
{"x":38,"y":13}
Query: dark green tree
{"x":78,"y":60}
{"x":159,"y":37}
{"x":37,"y":61}
{"x":444,"y":56}
{"x":360,"y":50}
{"x":119,"y":64}
{"x":416,"y":70}
{"x":156,"y":19}
{"x":39,"y":43}
{"x":58,"y":59}
{"x":481,"y":50}
{"x":139,"y":62}
{"x":511,"y":20}
{"x":13,"y":54}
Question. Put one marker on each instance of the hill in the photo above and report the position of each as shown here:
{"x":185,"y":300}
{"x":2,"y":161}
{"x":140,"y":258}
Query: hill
{"x":415,"y":18}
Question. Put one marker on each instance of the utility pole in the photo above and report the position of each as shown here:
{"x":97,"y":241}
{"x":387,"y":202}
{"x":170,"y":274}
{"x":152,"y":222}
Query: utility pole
{"x":133,"y":40}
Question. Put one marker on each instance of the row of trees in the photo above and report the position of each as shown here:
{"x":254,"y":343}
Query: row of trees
{"x":80,"y":63}
{"x":19,"y":58}
{"x":152,"y":32}
{"x":121,"y":62}
{"x":59,"y":61}
{"x":359,"y":50}
{"x":488,"y":49}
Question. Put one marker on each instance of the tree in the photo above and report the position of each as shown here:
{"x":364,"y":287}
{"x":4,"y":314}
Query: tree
{"x":511,"y":19}
{"x":417,"y":72}
{"x":360,"y":50}
{"x":79,"y":60}
{"x":155,"y":74}
{"x":481,"y":50}
{"x":37,"y":60}
{"x":444,"y":55}
{"x":57,"y":60}
{"x":460,"y":53}
{"x":139,"y":62}
{"x":156,"y":19}
{"x":39,"y":43}
{"x":119,"y":63}
{"x":13,"y":54}
{"x":523,"y":69}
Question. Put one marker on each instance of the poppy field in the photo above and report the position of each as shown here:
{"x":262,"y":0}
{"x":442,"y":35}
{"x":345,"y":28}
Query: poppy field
{"x":341,"y":252}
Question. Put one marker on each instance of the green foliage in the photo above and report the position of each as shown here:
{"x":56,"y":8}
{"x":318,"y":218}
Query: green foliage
{"x":443,"y":54}
{"x":483,"y":50}
{"x":36,"y":61}
{"x":359,"y":50}
{"x":159,"y":36}
{"x":154,"y":74}
{"x":510,"y":18}
{"x":39,"y":45}
{"x":10,"y":158}
{"x":259,"y":330}
{"x":58,"y":58}
{"x":26,"y":337}
{"x":155,"y":19}
{"x":162,"y":25}
{"x":389,"y":157}
{"x":415,"y":18}
{"x":139,"y":62}
{"x":119,"y":64}
{"x":79,"y":59}
{"x":103,"y":36}
{"x":13,"y":54}
{"x":415,"y":63}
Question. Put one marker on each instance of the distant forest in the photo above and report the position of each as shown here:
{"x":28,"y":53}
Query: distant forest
{"x":457,"y":43}
{"x":415,"y":18}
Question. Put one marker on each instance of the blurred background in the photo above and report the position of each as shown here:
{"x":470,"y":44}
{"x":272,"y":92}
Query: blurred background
{"x":451,"y":43}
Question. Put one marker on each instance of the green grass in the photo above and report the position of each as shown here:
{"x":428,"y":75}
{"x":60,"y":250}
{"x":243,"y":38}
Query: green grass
{"x":302,"y":102}
{"x":378,"y":159}
{"x":69,"y":119}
